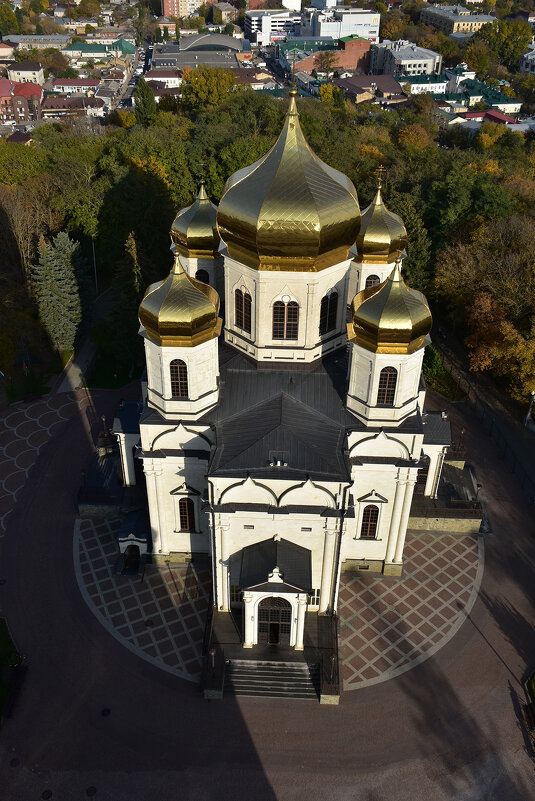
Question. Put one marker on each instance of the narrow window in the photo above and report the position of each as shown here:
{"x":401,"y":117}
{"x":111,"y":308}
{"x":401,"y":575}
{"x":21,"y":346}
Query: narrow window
{"x":186,"y":514}
{"x":179,"y":379}
{"x":202,"y":275}
{"x":370,"y":516}
{"x":372,"y":280}
{"x":328,"y":313}
{"x":279,"y":319}
{"x":292,"y":320}
{"x":247,"y":312}
{"x":285,"y":320}
{"x":238,"y":308}
{"x":387,"y":386}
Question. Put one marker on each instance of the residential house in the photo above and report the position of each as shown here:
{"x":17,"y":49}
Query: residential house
{"x":86,"y":51}
{"x":171,"y":79}
{"x":19,"y":138}
{"x":26,"y":72}
{"x":78,"y":86}
{"x":6,"y":50}
{"x":228,"y":11}
{"x":19,"y":102}
{"x":527,"y":62}
{"x":367,"y":87}
{"x":39,"y":41}
{"x":78,"y":106}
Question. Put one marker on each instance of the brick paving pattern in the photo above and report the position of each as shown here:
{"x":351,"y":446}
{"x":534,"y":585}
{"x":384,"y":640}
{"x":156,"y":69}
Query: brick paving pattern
{"x":161,"y":618}
{"x":24,"y":430}
{"x":388,"y":625}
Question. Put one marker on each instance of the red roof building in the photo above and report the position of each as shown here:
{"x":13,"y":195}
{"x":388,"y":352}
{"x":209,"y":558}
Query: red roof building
{"x":19,"y":102}
{"x":490,"y":115}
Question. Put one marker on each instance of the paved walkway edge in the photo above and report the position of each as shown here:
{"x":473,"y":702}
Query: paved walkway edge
{"x":387,"y":675}
{"x":109,"y":628}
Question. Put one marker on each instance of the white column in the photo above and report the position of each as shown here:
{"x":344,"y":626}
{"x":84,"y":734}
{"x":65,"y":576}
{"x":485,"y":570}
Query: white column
{"x":407,"y":502}
{"x":249,"y":621}
{"x":434,"y":459}
{"x":152,"y":499}
{"x":328,"y":570}
{"x":129,"y":467}
{"x":158,"y":473}
{"x":300,"y":629}
{"x":394,"y":521}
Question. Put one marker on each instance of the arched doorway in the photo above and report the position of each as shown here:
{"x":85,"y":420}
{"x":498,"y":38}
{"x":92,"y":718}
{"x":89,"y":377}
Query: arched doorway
{"x":131,"y":557}
{"x":274,"y":621}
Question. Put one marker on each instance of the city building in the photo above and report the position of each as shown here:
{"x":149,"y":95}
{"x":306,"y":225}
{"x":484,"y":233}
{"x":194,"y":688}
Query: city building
{"x":210,"y":49}
{"x":29,"y":41}
{"x":179,"y":8}
{"x":341,"y":21}
{"x":86,"y":51}
{"x":422,"y":84}
{"x":367,"y":87}
{"x":453,"y":19}
{"x":268,"y":25}
{"x":6,"y":51}
{"x":167,"y":78}
{"x":228,"y":11}
{"x":403,"y":58}
{"x":527,"y":62}
{"x":73,"y":106}
{"x":78,"y":86}
{"x":19,"y":102}
{"x":293,"y":453}
{"x":351,"y":54}
{"x":26,"y":72}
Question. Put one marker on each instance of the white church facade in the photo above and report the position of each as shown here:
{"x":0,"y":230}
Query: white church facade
{"x":283,"y":442}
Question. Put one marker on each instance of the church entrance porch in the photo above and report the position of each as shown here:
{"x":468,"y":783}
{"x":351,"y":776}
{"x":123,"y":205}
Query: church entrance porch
{"x":274,"y":621}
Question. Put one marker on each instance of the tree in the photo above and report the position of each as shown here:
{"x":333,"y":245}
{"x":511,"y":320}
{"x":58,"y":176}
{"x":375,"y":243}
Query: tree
{"x":8,"y":20}
{"x":146,"y":106}
{"x":165,"y":34}
{"x":508,"y":39}
{"x":207,"y":87}
{"x":417,"y":264}
{"x":229,"y":29}
{"x":326,"y":61}
{"x":56,"y":290}
{"x":217,"y":16}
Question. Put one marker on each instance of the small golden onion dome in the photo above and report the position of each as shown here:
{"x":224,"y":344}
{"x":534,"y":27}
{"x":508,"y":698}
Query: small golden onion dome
{"x":180,"y":311}
{"x":289,"y":210}
{"x":382,"y":236}
{"x":390,"y":317}
{"x":194,"y":230}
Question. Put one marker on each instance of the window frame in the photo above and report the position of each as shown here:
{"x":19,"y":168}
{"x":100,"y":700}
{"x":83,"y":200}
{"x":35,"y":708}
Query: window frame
{"x":180,"y":380}
{"x":367,"y":523}
{"x":386,"y":389}
{"x":285,"y":321}
{"x":186,"y":514}
{"x":328,"y":313}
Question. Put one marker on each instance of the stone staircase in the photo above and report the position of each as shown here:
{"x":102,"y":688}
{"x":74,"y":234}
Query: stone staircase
{"x":272,"y":679}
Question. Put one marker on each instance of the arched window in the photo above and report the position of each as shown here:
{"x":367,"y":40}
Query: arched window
{"x":186,"y":513}
{"x":202,"y":275}
{"x":372,"y":280}
{"x":179,"y":378}
{"x":328,"y":313}
{"x":387,"y":386}
{"x":370,"y":516}
{"x":242,"y":310}
{"x":285,"y":320}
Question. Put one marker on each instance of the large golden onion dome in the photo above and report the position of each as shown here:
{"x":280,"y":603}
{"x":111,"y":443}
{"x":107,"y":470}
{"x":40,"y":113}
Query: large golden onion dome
{"x":194,"y":230}
{"x":180,"y":311}
{"x":382,"y":236}
{"x":390,"y":317}
{"x":289,"y":210}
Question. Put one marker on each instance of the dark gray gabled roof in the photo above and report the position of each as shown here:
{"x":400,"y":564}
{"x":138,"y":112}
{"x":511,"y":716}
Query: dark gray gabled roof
{"x":298,"y":416}
{"x":261,"y":559}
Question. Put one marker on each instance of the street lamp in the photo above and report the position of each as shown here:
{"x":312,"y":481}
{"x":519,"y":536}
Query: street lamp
{"x":478,"y":487}
{"x":527,"y":418}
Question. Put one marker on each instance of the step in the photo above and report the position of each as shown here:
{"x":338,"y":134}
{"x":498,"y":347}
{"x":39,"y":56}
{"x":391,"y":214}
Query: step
{"x":272,"y":679}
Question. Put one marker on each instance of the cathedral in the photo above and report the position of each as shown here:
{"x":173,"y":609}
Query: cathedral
{"x":276,"y":438}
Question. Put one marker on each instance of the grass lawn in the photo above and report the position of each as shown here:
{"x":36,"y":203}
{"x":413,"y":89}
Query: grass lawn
{"x":8,"y":658}
{"x":107,"y":375}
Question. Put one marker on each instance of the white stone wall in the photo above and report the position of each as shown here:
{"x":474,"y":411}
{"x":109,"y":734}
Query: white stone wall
{"x":364,"y":371}
{"x":202,"y":363}
{"x":359,"y":272}
{"x":266,"y":287}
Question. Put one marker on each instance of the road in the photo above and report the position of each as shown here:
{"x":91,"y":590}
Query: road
{"x":446,"y":730}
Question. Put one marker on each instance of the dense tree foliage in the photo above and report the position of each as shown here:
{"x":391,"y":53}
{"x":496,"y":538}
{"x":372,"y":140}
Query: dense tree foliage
{"x":468,"y":205}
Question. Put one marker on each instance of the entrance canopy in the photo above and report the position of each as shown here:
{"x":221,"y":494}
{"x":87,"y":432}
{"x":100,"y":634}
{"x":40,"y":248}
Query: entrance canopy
{"x":276,"y":564}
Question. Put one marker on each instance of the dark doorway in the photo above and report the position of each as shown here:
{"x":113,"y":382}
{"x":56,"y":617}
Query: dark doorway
{"x":274,"y":621}
{"x":202,"y":275}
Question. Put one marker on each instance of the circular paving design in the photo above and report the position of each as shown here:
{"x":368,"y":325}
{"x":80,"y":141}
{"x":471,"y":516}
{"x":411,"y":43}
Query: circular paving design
{"x":390,"y":625}
{"x":24,"y":429}
{"x":161,"y":618}
{"x":387,"y":625}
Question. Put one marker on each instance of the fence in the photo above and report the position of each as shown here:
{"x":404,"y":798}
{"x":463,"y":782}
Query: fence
{"x":513,"y":444}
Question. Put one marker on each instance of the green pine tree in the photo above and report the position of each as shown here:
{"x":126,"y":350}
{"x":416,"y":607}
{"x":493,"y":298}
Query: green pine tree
{"x":416,"y":266}
{"x":56,"y":290}
{"x":146,"y":106}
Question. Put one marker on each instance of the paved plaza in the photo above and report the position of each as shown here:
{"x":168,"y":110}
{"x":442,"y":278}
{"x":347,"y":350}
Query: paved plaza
{"x":24,"y":430}
{"x":387,"y":626}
